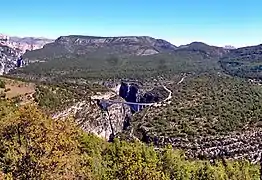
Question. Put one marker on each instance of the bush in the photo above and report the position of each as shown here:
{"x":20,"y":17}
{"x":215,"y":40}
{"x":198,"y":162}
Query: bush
{"x":34,"y":146}
{"x":2,"y":84}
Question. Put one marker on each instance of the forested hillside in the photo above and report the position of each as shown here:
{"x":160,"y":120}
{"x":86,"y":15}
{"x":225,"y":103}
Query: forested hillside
{"x":209,"y":116}
{"x":208,"y":128}
{"x":34,"y":146}
{"x":115,"y":67}
{"x":118,"y":57}
{"x":244,"y":62}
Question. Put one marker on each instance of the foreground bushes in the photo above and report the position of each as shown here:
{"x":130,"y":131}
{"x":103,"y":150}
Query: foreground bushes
{"x":2,"y":84}
{"x":33,"y":146}
{"x":122,"y":160}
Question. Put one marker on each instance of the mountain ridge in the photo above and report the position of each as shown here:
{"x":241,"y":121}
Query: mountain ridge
{"x":135,"y":53}
{"x":122,"y":45}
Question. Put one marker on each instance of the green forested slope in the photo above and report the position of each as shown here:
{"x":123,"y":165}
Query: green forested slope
{"x":244,"y":62}
{"x":207,"y":104}
{"x":33,"y":146}
{"x":137,"y":67}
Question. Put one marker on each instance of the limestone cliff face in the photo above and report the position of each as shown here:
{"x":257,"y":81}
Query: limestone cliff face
{"x":102,"y":123}
{"x":23,"y":44}
{"x":12,"y":47}
{"x":8,"y":57}
{"x":91,"y":118}
{"x":29,"y":43}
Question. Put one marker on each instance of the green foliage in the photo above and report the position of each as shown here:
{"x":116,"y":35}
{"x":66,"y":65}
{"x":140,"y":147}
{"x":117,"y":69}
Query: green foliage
{"x":244,"y":62}
{"x":52,"y":98}
{"x":55,"y":97}
{"x":122,"y":160}
{"x":34,"y":146}
{"x":2,"y":84}
{"x":138,"y":67}
{"x":131,"y":161}
{"x":207,"y":104}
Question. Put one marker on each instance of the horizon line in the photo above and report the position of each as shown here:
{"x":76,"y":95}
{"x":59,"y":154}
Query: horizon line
{"x":170,"y":41}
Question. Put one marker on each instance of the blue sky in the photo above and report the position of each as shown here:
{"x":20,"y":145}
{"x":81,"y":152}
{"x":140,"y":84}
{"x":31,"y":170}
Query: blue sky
{"x":216,"y":22}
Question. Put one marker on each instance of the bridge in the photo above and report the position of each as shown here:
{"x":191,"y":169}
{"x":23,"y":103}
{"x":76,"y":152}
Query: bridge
{"x":136,"y":106}
{"x":105,"y":103}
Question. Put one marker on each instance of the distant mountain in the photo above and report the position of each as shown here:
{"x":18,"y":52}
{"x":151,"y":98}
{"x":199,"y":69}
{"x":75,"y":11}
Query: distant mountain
{"x":29,"y":43}
{"x":76,"y":45}
{"x":204,"y":48}
{"x":13,"y":47}
{"x":135,"y":57}
{"x":244,"y":62}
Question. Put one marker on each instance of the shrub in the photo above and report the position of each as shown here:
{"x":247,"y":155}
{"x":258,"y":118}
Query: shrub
{"x":2,"y":84}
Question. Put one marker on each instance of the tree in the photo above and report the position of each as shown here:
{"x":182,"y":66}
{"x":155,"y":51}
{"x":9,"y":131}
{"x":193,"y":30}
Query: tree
{"x":2,"y":84}
{"x":33,"y":146}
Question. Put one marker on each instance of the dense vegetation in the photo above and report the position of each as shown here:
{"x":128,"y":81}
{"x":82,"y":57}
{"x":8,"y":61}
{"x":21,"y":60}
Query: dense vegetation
{"x":244,"y":62}
{"x":206,"y":105}
{"x":75,"y":58}
{"x":33,"y":146}
{"x":56,"y":97}
{"x":80,"y":56}
{"x":136,"y":67}
{"x":2,"y":84}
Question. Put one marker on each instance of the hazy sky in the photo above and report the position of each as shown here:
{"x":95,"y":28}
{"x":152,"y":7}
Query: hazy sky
{"x":216,"y":22}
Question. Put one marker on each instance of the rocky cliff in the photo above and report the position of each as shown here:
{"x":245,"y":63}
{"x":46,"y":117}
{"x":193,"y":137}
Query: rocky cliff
{"x":23,"y":43}
{"x":13,"y":47}
{"x":104,"y":114}
{"x":29,"y":43}
{"x":8,"y":57}
{"x":91,"y":118}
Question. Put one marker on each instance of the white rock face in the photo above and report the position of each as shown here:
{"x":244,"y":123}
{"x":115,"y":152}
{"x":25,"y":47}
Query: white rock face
{"x":91,"y":118}
{"x":13,"y":47}
{"x":147,"y":52}
{"x":28,"y":43}
{"x":23,"y":44}
{"x":8,"y":57}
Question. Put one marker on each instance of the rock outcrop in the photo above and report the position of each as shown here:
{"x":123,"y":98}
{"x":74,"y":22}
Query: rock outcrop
{"x":23,"y":44}
{"x":29,"y":43}
{"x":91,"y":118}
{"x":13,"y":47}
{"x":8,"y":57}
{"x":229,"y":47}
